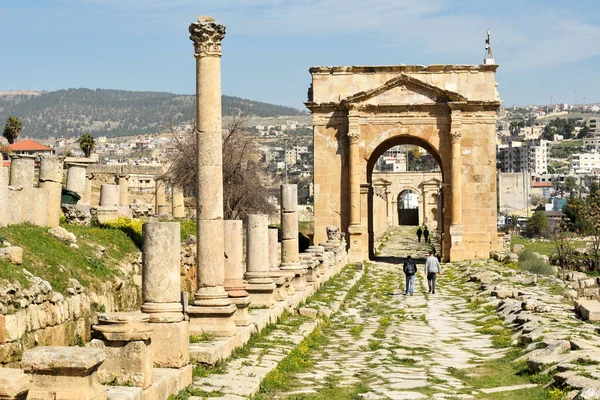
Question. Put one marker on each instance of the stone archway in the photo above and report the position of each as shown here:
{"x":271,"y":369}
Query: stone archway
{"x":449,"y":110}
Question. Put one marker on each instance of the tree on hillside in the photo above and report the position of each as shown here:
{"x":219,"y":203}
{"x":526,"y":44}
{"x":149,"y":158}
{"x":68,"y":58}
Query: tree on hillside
{"x":570,"y":184}
{"x":243,"y":177}
{"x":87,"y":144}
{"x":12,"y":128}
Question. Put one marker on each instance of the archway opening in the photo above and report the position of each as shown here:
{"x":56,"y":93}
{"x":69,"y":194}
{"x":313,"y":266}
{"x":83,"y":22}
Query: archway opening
{"x":408,"y":208}
{"x":408,"y":170}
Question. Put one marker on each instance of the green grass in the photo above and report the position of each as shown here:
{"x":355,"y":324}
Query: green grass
{"x":542,"y":247}
{"x":55,"y":261}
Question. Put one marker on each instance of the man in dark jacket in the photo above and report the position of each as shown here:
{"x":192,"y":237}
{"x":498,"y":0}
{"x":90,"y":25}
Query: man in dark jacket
{"x":410,"y":269}
{"x":426,"y":235}
{"x":419,"y":233}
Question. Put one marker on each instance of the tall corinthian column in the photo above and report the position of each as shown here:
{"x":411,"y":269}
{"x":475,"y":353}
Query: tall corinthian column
{"x":456,"y":227}
{"x":212,"y":311}
{"x":356,"y":251}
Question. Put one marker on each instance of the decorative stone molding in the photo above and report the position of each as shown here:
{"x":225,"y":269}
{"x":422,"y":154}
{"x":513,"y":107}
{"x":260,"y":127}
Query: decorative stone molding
{"x":207,"y":36}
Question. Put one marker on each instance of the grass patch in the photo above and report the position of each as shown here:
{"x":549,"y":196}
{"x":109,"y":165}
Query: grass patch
{"x":55,"y":261}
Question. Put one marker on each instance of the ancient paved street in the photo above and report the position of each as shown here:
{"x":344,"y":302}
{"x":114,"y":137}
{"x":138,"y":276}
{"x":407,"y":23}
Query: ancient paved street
{"x":395,"y":346}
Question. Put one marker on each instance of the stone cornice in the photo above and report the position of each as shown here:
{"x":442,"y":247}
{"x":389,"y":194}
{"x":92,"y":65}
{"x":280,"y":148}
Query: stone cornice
{"x":207,"y":36}
{"x":436,"y":68}
{"x":468,"y":106}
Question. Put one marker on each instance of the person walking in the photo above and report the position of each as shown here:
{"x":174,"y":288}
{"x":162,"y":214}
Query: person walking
{"x":419,"y":233}
{"x":432,"y":270}
{"x":426,"y":235}
{"x":410,"y":269}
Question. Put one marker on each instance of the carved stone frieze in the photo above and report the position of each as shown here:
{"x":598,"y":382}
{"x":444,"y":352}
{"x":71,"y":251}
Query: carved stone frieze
{"x":207,"y":36}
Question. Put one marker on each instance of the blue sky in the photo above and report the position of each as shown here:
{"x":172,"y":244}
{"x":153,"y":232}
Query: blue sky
{"x":544,"y":48}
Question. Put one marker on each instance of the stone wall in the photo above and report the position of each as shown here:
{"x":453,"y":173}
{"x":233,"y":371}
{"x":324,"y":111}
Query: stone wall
{"x":38,"y":316}
{"x":27,"y":203}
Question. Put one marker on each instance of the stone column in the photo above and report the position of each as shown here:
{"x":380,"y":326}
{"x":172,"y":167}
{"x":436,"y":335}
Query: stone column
{"x":212,"y":311}
{"x":50,"y":179}
{"x":76,"y":178}
{"x":123,"y":190}
{"x":281,"y":278}
{"x":109,"y":195}
{"x":394,"y":212}
{"x":234,"y":271}
{"x":161,"y":294}
{"x":22,"y":170}
{"x":87,"y":195}
{"x":64,"y":372}
{"x":178,"y":207}
{"x":456,"y":227}
{"x":4,"y":178}
{"x":290,"y":260}
{"x":159,"y":195}
{"x":274,"y":258}
{"x":260,"y":285}
{"x":355,"y":229}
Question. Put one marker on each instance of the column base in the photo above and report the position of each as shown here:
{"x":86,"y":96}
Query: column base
{"x":261,"y":294}
{"x":298,"y":283}
{"x":216,"y":320}
{"x":241,"y":316}
{"x":356,"y":253}
{"x":170,"y":344}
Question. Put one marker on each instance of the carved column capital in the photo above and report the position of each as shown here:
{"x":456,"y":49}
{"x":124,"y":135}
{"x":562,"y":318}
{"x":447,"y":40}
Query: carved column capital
{"x":455,"y":125}
{"x":207,"y":36}
{"x":354,"y":137}
{"x":353,"y":126}
{"x":455,"y":136}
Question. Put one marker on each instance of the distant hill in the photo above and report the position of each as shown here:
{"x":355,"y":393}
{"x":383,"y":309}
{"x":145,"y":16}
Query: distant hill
{"x":114,"y":113}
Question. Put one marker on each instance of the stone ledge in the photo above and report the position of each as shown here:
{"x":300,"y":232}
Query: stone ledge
{"x":221,"y":348}
{"x":167,"y":381}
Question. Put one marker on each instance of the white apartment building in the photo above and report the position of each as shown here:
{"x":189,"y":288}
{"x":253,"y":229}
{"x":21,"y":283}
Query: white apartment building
{"x":592,"y":143}
{"x":529,"y":155}
{"x":584,"y":163}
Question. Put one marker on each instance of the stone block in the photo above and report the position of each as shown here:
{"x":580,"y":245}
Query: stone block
{"x":170,"y":344}
{"x":12,"y":254}
{"x":14,"y":384}
{"x":66,"y":373}
{"x":588,"y":309}
{"x":127,"y":363}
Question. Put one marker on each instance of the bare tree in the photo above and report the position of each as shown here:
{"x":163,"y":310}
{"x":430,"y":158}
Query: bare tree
{"x":244,"y":191}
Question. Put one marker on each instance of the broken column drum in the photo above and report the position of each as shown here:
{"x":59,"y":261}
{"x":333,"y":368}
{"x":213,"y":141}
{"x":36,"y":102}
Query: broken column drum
{"x":161,"y":294}
{"x":123,"y":190}
{"x":234,"y":271}
{"x":109,"y":195}
{"x":51,"y":174}
{"x":260,"y":285}
{"x":22,"y":171}
{"x":212,"y":311}
{"x":290,"y":259}
{"x":178,"y":206}
{"x":281,"y":278}
{"x":76,"y":178}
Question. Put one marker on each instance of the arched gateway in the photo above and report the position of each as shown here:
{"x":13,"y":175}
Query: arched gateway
{"x":449,"y":110}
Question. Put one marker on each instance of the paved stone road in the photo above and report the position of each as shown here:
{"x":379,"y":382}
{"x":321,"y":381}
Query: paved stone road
{"x":397,"y":346}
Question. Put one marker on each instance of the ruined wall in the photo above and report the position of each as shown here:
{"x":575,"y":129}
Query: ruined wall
{"x":38,"y":316}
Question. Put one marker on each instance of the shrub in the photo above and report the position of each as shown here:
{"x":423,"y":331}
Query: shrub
{"x":531,"y":262}
{"x":131,"y":227}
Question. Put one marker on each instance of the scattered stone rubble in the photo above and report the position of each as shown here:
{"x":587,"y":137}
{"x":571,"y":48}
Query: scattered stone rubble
{"x":557,"y":340}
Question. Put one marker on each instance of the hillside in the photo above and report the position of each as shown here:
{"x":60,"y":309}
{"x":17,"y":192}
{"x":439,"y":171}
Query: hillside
{"x":113,"y":113}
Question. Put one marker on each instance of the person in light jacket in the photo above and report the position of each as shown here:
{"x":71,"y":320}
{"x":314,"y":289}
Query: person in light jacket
{"x":432,"y":270}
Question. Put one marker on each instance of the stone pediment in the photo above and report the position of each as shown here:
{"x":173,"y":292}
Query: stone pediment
{"x":381,"y":182}
{"x":404,"y":90}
